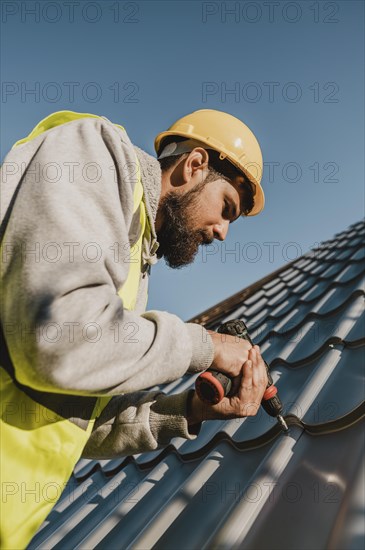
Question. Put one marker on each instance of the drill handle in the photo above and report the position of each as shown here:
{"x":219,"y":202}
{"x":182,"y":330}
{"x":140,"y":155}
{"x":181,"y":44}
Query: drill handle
{"x":236,"y":327}
{"x":270,"y":381}
{"x":212,"y":386}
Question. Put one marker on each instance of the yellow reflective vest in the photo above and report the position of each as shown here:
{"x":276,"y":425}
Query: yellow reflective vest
{"x":43,"y":434}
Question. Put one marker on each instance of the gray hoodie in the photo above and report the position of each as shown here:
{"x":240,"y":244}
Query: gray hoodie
{"x":67,"y":202}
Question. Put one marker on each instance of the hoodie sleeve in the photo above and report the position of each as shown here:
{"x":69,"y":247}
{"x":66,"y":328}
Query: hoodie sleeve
{"x":65,"y":325}
{"x":139,"y":422}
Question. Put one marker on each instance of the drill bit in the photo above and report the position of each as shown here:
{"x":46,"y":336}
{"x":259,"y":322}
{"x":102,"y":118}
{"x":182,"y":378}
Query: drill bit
{"x":282,"y":423}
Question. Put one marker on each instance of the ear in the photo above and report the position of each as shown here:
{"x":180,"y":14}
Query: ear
{"x":195,"y":164}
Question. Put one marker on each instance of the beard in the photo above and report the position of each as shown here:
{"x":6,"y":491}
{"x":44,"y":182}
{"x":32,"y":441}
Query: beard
{"x":179,"y":242}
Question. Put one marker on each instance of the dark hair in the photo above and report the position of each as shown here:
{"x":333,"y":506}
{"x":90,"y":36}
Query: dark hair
{"x":217,"y":169}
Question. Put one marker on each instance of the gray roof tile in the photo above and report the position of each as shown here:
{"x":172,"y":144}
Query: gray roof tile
{"x":288,"y":274}
{"x":309,"y":505}
{"x":257,"y":306}
{"x":359,"y":254}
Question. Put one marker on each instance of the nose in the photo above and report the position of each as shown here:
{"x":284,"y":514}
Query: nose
{"x":220,"y":230}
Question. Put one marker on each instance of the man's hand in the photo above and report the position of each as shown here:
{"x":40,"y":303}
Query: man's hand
{"x":230,"y":352}
{"x":250,"y":388}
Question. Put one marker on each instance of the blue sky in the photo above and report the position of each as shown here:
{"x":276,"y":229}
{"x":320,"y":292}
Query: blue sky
{"x":292,"y":71}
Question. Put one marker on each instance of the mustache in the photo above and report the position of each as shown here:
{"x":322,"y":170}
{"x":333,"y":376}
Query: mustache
{"x":206,"y":239}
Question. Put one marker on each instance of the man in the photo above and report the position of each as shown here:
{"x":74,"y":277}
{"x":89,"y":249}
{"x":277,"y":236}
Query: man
{"x":85,"y":215}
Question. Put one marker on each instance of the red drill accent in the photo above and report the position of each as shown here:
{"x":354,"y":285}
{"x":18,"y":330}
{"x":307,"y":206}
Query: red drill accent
{"x":270,"y":392}
{"x":208,"y":378}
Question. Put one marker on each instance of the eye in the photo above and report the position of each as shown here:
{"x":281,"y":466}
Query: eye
{"x":226,"y":210}
{"x":229,"y":212}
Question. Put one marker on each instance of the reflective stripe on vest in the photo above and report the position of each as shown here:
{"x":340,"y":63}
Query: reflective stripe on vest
{"x":43,"y":434}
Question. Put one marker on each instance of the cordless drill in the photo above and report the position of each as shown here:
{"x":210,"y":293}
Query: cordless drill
{"x":211,"y":386}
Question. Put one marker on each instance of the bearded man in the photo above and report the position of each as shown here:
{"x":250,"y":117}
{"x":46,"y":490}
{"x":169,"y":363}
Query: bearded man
{"x":84,"y":216}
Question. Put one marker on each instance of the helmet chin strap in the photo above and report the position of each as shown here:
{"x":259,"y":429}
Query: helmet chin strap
{"x":186,"y":146}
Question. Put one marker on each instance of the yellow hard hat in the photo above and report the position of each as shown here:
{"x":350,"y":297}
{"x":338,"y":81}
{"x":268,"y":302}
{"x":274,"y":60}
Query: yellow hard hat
{"x":230,"y":137}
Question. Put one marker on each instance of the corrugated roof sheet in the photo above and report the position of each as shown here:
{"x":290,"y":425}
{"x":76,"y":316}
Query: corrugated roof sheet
{"x":242,"y":483}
